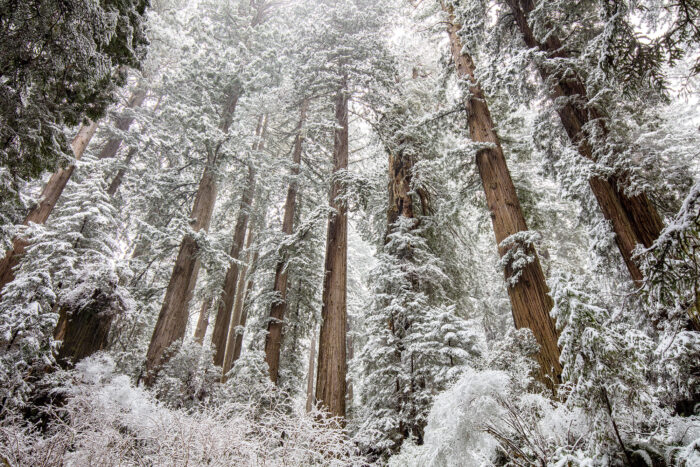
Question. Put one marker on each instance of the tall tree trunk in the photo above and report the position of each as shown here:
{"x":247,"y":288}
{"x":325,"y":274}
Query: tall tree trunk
{"x":123,"y":123}
{"x":228,"y":295}
{"x":529,"y":297}
{"x":400,"y":199}
{"x":351,"y":355}
{"x":54,"y":188}
{"x":634,"y":219}
{"x":203,"y":321}
{"x":172,"y":320}
{"x":237,"y":309}
{"x":332,"y":364}
{"x":273,"y":341}
{"x":244,"y":313}
{"x":48,"y":199}
{"x":119,"y":177}
{"x":86,"y":331}
{"x":310,"y":375}
{"x":401,"y":205}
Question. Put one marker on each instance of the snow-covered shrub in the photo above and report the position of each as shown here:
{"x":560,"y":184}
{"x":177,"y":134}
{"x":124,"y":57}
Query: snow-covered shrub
{"x":189,"y":378}
{"x":495,"y":415}
{"x":249,"y":380}
{"x":107,"y":421}
{"x":605,"y":361}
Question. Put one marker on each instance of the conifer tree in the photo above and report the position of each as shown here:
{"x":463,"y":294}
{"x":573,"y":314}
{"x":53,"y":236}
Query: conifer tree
{"x":273,"y":342}
{"x":71,"y":265}
{"x":60,"y":72}
{"x":228,"y":295}
{"x":242,"y":28}
{"x":527,"y":288}
{"x":54,"y":187}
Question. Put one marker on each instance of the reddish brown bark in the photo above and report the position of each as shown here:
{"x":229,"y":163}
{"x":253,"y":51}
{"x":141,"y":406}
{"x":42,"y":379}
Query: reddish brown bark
{"x":172,"y":320}
{"x":48,"y":199}
{"x":237,"y":310}
{"x":203,"y":321}
{"x":244,"y":315}
{"x":332,"y":358}
{"x":228,"y":294}
{"x":119,"y":177}
{"x":634,"y":219}
{"x":400,"y":199}
{"x":122,"y":124}
{"x":85,"y":330}
{"x":273,"y":341}
{"x":529,"y":297}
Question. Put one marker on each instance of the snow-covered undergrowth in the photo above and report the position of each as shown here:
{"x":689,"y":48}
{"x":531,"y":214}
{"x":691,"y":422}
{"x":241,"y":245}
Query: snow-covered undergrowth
{"x":106,"y":421}
{"x":486,"y":420}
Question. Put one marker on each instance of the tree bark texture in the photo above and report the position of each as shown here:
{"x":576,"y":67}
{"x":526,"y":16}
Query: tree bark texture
{"x":123,"y":123}
{"x":237,"y":309}
{"x":244,"y":314}
{"x":203,"y":321}
{"x":48,"y":199}
{"x":244,"y":317}
{"x":400,"y":199}
{"x":634,"y":219}
{"x":86,"y":330}
{"x":172,"y":320}
{"x":529,"y":297}
{"x":228,"y":294}
{"x":273,"y":341}
{"x":119,"y":177}
{"x":332,"y":363}
{"x":310,"y":375}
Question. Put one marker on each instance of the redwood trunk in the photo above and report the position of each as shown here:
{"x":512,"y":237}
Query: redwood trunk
{"x":48,"y":199}
{"x":85,"y":332}
{"x":228,"y":295}
{"x":122,"y":124}
{"x":310,"y":376}
{"x":400,"y":199}
{"x":273,"y":342}
{"x":529,"y":297}
{"x":332,"y":363}
{"x":634,"y":219}
{"x":244,"y":315}
{"x":237,"y":310}
{"x":203,"y":321}
{"x":119,"y":177}
{"x":172,"y":320}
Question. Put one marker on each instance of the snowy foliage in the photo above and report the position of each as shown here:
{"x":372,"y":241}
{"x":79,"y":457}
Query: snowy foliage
{"x":107,"y":421}
{"x":519,"y":253}
{"x":439,"y":375}
{"x":57,"y":72}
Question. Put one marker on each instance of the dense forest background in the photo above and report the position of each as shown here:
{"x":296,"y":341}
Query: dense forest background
{"x":320,"y":232}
